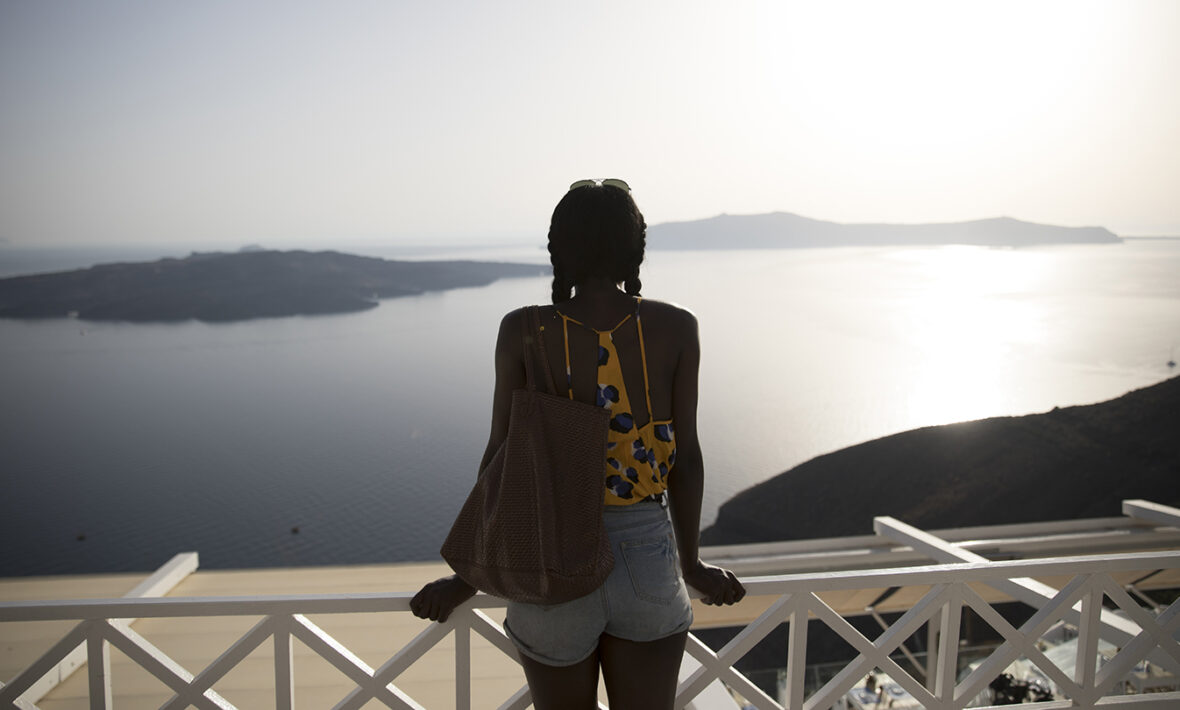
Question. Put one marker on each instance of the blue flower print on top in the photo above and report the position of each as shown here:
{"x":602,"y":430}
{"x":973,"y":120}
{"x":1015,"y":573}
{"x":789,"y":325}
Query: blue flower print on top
{"x":664,"y":432}
{"x":633,"y":474}
{"x":663,"y":471}
{"x":603,"y":356}
{"x":621,"y":488}
{"x":607,"y":395}
{"x":640,"y":452}
{"x":622,"y":422}
{"x":614,"y":463}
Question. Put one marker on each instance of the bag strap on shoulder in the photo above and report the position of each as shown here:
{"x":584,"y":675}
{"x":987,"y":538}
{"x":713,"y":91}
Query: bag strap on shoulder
{"x":526,"y":344}
{"x":531,"y":333}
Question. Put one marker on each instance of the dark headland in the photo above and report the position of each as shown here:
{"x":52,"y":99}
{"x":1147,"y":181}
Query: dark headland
{"x":1073,"y":462}
{"x":779,"y":230}
{"x":220,"y":286}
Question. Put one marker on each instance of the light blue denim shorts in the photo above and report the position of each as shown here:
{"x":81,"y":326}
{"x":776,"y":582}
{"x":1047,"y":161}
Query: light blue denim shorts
{"x":643,"y":599}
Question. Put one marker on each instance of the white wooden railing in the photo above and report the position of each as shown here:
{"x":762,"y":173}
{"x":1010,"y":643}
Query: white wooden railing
{"x":796,"y":598}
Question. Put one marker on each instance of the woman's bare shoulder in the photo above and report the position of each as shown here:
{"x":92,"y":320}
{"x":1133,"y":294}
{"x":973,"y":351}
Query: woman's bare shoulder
{"x":514,"y":317}
{"x":512,"y":325}
{"x":674,"y":317}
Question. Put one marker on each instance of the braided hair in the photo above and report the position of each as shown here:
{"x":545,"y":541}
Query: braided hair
{"x":596,"y":231}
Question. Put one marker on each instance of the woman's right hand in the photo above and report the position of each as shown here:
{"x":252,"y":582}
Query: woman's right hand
{"x":438,"y":599}
{"x":716,"y":585}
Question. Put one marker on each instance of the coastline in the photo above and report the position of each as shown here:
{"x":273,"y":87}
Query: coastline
{"x":1070,"y":462}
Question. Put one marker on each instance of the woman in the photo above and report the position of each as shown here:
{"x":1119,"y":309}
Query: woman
{"x":640,"y":359}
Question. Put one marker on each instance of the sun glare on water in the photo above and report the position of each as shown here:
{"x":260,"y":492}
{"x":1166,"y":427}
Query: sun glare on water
{"x":966,"y":317}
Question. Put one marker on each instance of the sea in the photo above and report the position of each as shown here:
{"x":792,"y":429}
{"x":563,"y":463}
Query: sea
{"x":354,"y":438}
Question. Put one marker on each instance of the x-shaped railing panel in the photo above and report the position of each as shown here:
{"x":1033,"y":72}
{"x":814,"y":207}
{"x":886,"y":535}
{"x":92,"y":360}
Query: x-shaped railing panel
{"x":876,"y":654}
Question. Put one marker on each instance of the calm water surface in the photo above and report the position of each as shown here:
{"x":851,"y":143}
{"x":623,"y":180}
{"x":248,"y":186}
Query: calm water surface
{"x":364,"y":430}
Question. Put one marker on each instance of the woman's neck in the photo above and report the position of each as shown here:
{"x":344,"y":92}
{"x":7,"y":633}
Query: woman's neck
{"x":598,"y":303}
{"x":597,"y":290}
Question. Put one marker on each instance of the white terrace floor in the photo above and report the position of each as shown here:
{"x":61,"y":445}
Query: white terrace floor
{"x":841,"y":574}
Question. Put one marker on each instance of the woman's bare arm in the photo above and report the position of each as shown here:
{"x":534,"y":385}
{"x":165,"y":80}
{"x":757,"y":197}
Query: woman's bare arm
{"x":686,"y":480}
{"x":510,"y":376}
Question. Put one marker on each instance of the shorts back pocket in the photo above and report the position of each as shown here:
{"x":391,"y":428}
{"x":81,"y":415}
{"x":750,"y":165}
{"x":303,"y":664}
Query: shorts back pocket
{"x":651,"y":564}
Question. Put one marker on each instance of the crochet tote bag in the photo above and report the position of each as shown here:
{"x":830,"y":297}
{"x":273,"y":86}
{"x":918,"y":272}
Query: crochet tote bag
{"x":531,"y":529}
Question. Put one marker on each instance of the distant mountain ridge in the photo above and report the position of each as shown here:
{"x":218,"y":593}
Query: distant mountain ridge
{"x":1074,"y":462}
{"x":778,"y":230}
{"x":254,"y":283}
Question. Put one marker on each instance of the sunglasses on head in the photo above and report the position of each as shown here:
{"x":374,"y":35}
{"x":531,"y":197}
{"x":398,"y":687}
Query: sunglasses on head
{"x":607,"y":182}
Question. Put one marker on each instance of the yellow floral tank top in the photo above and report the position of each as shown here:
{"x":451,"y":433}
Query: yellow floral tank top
{"x":638,"y":459}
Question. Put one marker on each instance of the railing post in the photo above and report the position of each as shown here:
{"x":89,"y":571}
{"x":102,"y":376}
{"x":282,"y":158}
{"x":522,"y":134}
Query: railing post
{"x":948,"y":647}
{"x":1086,"y":661}
{"x":462,"y":662}
{"x":98,"y":663}
{"x":796,"y":654}
{"x":284,"y":666}
{"x":931,"y":656}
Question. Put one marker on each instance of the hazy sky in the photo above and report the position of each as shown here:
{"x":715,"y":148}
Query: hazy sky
{"x":308,"y":123}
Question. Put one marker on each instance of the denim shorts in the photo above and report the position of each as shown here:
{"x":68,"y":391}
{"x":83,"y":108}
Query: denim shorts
{"x":643,"y":599}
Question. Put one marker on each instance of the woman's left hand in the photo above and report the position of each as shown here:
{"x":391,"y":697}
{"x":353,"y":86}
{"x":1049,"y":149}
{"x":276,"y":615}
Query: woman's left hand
{"x":716,"y":585}
{"x":438,"y":599}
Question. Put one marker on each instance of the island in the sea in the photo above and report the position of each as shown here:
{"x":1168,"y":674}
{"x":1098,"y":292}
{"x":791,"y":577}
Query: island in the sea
{"x":253,"y":283}
{"x":1072,"y":462}
{"x":258,"y":283}
{"x":783,"y":230}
